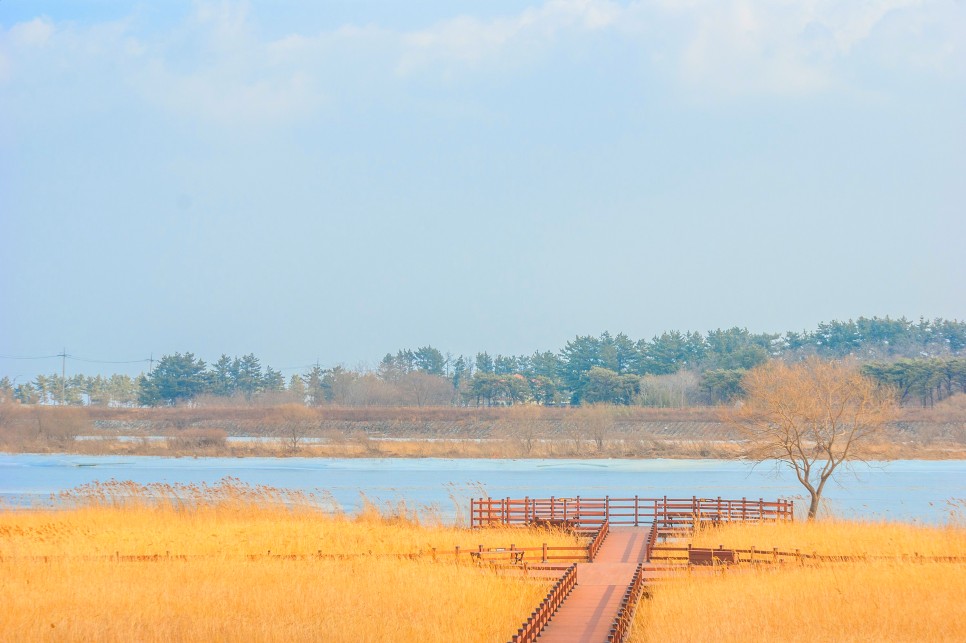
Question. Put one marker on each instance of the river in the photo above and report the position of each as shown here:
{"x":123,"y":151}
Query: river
{"x":907,"y":490}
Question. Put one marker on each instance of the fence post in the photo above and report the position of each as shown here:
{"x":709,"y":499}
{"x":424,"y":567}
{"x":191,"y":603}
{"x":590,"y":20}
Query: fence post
{"x":526,"y":510}
{"x":553,"y":506}
{"x":761,"y":509}
{"x":544,"y":552}
{"x":606,"y":507}
{"x":577,"y":510}
{"x":636,"y":516}
{"x":744,"y":508}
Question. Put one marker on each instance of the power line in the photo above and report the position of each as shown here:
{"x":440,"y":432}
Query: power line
{"x":38,"y":357}
{"x":76,"y":359}
{"x":106,"y":361}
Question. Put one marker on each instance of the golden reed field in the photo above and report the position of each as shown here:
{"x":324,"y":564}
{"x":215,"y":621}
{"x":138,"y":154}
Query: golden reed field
{"x":890,"y":595}
{"x":70,"y":575}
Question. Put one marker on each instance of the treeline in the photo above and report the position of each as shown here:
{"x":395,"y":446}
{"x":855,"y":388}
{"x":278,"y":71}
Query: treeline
{"x":921,"y":359}
{"x":924,"y":380}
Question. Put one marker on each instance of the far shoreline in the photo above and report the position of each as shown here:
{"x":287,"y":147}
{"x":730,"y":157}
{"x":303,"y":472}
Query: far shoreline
{"x":453,"y":449}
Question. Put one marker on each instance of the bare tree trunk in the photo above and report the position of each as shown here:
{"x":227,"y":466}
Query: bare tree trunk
{"x":813,"y":505}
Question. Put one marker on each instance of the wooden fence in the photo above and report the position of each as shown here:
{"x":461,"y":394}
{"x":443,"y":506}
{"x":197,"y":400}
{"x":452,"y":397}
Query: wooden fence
{"x":710,"y":555}
{"x":532,"y":626}
{"x":667,"y":513}
{"x":511,"y":554}
{"x":625,"y":615}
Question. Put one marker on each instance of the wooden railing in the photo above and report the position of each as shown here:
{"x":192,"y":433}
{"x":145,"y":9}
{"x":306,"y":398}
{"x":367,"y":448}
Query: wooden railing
{"x":685,"y":554}
{"x":668,"y":513}
{"x":597,"y":541}
{"x":651,"y":542}
{"x":544,"y":553}
{"x":538,"y":619}
{"x":625,"y":615}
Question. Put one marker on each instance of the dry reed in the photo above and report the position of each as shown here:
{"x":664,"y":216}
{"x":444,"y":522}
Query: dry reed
{"x":70,"y":574}
{"x":892,"y":597}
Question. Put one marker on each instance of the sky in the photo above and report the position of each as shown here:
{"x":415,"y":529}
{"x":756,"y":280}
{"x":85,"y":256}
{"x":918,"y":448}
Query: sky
{"x":335,"y":180}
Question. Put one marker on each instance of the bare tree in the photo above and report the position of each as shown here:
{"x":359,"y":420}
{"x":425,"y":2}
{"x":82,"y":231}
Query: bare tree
{"x":524,"y":424}
{"x":426,"y":390}
{"x":294,"y":425}
{"x":811,"y":416}
{"x":595,"y":421}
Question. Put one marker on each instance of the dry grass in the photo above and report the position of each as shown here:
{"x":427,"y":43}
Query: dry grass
{"x":226,"y":589}
{"x":886,"y":599}
{"x":840,"y":538}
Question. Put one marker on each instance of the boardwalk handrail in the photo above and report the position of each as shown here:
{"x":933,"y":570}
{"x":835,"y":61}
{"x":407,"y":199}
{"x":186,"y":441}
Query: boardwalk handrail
{"x":668,"y":513}
{"x":651,"y":542}
{"x":598,"y":540}
{"x":538,"y":619}
{"x":625,"y":615}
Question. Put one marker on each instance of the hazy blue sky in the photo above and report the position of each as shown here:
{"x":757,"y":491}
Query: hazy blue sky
{"x":335,"y":180}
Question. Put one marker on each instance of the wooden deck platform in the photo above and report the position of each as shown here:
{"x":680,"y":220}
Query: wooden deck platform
{"x":587,"y":614}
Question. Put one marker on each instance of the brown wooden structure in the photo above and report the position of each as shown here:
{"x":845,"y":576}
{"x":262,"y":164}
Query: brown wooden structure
{"x":668,"y":513}
{"x":602,"y":593}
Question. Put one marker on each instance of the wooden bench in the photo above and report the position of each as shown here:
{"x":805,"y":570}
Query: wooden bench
{"x":711,"y":556}
{"x":513,"y":556}
{"x":555,"y":523}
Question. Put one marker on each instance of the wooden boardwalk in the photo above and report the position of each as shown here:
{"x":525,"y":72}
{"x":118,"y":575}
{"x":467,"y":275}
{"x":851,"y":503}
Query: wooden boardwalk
{"x":587,"y":615}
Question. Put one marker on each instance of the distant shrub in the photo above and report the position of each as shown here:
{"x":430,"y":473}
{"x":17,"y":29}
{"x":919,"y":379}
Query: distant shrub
{"x":198,"y":439}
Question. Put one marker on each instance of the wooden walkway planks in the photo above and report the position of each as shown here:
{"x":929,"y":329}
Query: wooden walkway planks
{"x":588,"y":613}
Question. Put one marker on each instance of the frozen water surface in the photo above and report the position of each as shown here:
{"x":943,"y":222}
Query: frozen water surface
{"x":912,"y":490}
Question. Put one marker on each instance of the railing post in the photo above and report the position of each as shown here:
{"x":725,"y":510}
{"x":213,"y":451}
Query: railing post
{"x":553,"y":507}
{"x":544,"y":552}
{"x":636,"y":511}
{"x":577,"y":510}
{"x":761,"y":509}
{"x":606,"y":507}
{"x":526,"y":510}
{"x":744,"y":508}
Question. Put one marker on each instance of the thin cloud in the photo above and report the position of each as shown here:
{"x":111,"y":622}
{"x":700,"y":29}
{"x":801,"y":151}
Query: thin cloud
{"x":217,"y":66}
{"x":471,"y":42}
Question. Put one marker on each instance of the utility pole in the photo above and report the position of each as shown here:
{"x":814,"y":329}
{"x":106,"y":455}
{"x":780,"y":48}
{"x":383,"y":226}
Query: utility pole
{"x":63,"y":376}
